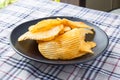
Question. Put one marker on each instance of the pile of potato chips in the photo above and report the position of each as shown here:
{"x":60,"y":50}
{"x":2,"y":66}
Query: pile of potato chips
{"x":60,"y":38}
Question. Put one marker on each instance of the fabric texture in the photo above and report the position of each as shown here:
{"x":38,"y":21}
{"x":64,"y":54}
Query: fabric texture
{"x":15,"y":67}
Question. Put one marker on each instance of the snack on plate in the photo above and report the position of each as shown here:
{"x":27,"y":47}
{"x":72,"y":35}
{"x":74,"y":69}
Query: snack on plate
{"x":61,"y":38}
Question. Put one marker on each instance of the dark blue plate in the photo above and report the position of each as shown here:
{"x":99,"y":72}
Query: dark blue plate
{"x":29,"y":49}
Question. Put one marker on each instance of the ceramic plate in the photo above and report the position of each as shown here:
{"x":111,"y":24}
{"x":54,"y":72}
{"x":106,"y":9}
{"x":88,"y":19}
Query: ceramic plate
{"x":28,"y":48}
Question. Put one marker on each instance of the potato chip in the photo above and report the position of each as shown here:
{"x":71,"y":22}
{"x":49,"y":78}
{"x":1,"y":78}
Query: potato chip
{"x":85,"y":46}
{"x":75,"y":24}
{"x":66,"y":46}
{"x":65,"y":29}
{"x":43,"y":36}
{"x":44,"y":25}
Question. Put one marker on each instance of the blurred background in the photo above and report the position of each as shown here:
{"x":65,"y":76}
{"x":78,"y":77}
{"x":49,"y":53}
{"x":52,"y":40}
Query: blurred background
{"x":102,"y":5}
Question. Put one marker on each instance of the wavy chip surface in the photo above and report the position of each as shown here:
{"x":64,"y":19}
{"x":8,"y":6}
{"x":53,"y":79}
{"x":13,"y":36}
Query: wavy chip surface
{"x":44,"y":25}
{"x":44,"y":35}
{"x":67,"y":46}
{"x":60,"y":38}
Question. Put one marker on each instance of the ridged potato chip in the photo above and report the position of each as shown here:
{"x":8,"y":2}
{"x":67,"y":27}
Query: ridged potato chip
{"x":66,"y":46}
{"x":85,"y":46}
{"x":65,"y":29}
{"x":75,"y":24}
{"x":44,"y":25}
{"x":43,"y":36}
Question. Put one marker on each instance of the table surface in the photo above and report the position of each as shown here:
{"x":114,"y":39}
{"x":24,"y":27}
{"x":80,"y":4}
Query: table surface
{"x":16,"y":67}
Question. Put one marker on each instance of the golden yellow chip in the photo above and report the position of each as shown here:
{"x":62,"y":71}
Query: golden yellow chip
{"x":65,"y":29}
{"x":66,"y":46}
{"x":43,"y":36}
{"x":75,"y":24}
{"x":85,"y":46}
{"x":44,"y":25}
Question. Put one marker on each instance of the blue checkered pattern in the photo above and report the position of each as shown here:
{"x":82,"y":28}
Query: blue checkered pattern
{"x":16,"y":67}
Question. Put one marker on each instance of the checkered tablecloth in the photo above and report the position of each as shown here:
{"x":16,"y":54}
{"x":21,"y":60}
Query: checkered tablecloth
{"x":16,"y":67}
